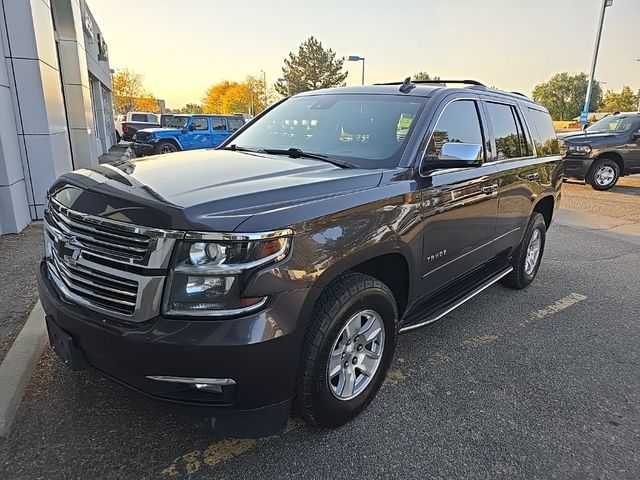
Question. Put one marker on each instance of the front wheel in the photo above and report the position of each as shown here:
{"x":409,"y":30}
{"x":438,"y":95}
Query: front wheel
{"x":604,"y":174}
{"x":165,"y":147}
{"x":528,"y":256}
{"x":348,"y":349}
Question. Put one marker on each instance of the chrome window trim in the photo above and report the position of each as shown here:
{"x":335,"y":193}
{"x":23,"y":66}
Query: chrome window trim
{"x":524,"y":123}
{"x":238,"y":237}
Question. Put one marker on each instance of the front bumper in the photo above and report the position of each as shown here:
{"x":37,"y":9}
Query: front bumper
{"x":254,"y":351}
{"x":141,"y":149}
{"x":577,"y":167}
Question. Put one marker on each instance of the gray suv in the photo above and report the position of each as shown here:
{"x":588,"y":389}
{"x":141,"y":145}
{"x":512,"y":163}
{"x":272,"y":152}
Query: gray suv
{"x":276,"y":272}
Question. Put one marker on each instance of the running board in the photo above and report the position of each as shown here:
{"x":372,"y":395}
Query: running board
{"x":435,"y":316}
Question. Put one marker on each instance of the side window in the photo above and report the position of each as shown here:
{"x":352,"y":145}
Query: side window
{"x":152,"y":119}
{"x":219,"y":123}
{"x":234,"y":123}
{"x":459,"y":122}
{"x":546,"y":141}
{"x":200,"y":123}
{"x":507,"y":132}
{"x":138,"y":117}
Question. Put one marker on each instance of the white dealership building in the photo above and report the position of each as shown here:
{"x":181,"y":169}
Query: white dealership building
{"x":56,"y":111}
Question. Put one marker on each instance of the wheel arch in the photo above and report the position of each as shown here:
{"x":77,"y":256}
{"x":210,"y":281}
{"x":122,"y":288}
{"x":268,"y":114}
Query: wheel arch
{"x":545,"y":206}
{"x":611,"y":155}
{"x":172,"y":140}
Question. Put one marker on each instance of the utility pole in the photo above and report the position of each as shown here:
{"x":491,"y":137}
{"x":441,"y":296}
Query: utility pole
{"x":585,"y":111}
{"x":264,"y":83}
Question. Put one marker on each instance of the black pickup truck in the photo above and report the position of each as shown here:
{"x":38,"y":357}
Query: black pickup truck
{"x":276,"y":272}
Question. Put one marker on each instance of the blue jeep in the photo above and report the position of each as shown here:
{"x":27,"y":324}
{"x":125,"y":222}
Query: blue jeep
{"x":186,"y":132}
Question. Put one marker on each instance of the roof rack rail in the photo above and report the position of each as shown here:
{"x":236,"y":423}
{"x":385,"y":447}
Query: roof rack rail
{"x":521,"y":94}
{"x":468,"y":82}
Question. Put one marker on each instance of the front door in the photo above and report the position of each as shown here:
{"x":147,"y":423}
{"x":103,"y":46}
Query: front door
{"x":632,"y":160}
{"x":460,"y":205}
{"x":199,"y":133}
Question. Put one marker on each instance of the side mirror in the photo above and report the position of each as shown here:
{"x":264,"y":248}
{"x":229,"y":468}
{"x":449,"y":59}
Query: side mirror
{"x":191,"y":127}
{"x":636,"y":135}
{"x":455,"y":155}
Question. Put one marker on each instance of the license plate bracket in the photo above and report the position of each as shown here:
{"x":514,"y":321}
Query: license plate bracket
{"x":63,"y":345}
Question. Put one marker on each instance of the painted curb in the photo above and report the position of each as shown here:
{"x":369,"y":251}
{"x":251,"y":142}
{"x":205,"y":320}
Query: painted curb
{"x":18,"y":366}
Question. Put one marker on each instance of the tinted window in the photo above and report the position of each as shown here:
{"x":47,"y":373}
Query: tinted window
{"x":152,"y":118}
{"x":235,"y":123}
{"x":138,"y":117}
{"x":200,"y":123}
{"x":505,"y":131}
{"x":546,"y":140}
{"x":219,"y":123}
{"x":459,"y":122}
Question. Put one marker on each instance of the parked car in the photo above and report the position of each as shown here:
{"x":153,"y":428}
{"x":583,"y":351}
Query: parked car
{"x":604,"y":151}
{"x":186,"y":132}
{"x":280,"y":267}
{"x":134,"y":121}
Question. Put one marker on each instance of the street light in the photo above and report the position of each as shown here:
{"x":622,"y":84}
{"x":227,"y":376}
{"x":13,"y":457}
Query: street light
{"x":356,"y":58}
{"x":264,"y":82}
{"x":284,"y":80}
{"x":585,"y":111}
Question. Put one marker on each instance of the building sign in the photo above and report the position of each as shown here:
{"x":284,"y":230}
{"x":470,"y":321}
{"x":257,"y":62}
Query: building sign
{"x":103,"y":51}
{"x":87,"y":22}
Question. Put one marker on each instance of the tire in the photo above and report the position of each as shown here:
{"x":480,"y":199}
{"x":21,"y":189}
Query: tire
{"x":604,"y":174}
{"x":352,"y":300}
{"x":164,"y":147}
{"x":525,"y":268}
{"x":118,"y":137}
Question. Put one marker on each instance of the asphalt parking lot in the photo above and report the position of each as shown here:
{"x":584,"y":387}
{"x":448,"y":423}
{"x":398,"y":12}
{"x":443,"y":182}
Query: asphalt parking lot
{"x":540,"y":383}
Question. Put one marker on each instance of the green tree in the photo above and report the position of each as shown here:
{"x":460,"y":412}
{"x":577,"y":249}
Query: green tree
{"x":422,"y":75}
{"x":311,"y":68}
{"x":191,"y":108}
{"x":625,"y":101}
{"x":564,"y":95}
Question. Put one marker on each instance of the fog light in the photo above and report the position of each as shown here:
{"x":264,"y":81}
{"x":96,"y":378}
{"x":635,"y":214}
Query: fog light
{"x":208,"y":387}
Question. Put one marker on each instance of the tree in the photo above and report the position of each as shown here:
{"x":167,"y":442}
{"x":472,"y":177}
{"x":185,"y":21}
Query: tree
{"x":422,"y":75}
{"x":191,"y":108}
{"x":311,"y":68}
{"x":625,"y":101}
{"x":235,"y":97}
{"x":564,"y":95}
{"x":129,"y":93}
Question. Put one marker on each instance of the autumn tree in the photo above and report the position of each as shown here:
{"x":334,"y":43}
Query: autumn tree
{"x":311,"y":68}
{"x":564,"y":95}
{"x":625,"y":101}
{"x":191,"y":108}
{"x":129,"y":93}
{"x":422,"y":75}
{"x":235,"y":97}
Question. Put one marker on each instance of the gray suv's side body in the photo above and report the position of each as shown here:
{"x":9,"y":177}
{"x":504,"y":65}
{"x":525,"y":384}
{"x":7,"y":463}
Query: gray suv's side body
{"x":429,"y":238}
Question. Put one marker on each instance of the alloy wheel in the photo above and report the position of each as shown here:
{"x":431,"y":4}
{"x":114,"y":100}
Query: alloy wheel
{"x":533,"y":252}
{"x":605,"y":175}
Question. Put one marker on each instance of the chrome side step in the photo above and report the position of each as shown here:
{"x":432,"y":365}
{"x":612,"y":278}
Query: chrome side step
{"x":468,"y":296}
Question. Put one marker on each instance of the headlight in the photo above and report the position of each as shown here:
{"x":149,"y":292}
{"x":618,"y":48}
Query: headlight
{"x":207,"y":276}
{"x":579,"y":149}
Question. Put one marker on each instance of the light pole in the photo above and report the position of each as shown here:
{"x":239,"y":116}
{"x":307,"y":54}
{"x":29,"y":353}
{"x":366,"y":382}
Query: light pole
{"x":356,"y":58}
{"x":284,"y":80}
{"x":638,"y":60}
{"x":264,"y":83}
{"x":585,"y":111}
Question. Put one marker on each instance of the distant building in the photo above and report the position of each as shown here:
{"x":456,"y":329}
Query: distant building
{"x":55,"y":99}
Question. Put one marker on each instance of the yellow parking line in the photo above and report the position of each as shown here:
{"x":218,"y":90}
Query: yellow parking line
{"x":558,"y":306}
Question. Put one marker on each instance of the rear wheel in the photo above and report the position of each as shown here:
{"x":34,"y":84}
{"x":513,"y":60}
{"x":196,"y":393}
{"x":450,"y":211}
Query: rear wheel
{"x":604,"y":174}
{"x":347,"y":351}
{"x":165,"y":147}
{"x":528,"y":256}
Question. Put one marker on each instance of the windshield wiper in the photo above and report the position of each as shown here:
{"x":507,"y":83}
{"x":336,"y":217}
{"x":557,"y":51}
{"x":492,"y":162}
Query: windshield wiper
{"x":297,"y":153}
{"x":235,"y":148}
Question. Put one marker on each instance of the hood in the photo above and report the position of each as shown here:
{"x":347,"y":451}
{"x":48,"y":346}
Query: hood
{"x":166,"y":130}
{"x":207,"y":189}
{"x":584,"y":137}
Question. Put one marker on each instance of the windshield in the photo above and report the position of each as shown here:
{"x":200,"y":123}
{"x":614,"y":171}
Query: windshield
{"x":368,"y":131}
{"x":177,"y":122}
{"x":614,"y":123}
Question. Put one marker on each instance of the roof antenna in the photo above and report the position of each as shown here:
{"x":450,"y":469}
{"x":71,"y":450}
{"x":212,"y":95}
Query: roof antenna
{"x":407,"y":86}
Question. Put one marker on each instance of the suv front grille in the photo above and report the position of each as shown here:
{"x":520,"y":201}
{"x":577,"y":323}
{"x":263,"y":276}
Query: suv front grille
{"x":97,"y":238}
{"x":108,"y":291}
{"x":142,"y":136}
{"x":112,"y":267}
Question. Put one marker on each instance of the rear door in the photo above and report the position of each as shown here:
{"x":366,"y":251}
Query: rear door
{"x":522,"y":176}
{"x":220,"y":130}
{"x":460,"y":205}
{"x":200,"y":135}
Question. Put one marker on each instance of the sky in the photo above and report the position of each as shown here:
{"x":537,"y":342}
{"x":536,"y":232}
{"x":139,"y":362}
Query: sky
{"x":183,"y":46}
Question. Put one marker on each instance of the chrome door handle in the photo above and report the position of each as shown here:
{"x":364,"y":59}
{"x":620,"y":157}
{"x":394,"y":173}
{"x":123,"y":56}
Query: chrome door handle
{"x":532,"y":176}
{"x":489,"y":189}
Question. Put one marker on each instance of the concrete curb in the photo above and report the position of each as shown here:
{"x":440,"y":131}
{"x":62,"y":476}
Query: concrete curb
{"x":18,"y":366}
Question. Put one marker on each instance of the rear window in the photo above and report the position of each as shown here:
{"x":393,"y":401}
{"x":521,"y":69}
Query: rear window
{"x":546,"y":140}
{"x":138,"y":117}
